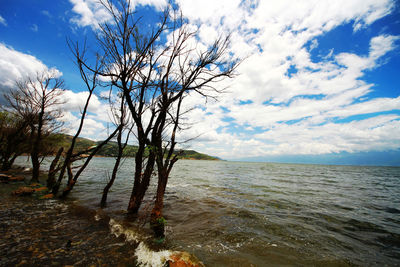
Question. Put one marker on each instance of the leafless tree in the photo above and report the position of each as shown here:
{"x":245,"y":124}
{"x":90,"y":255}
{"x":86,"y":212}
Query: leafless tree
{"x":37,"y":101}
{"x":91,"y":84}
{"x":126,"y":56}
{"x":182,"y":69}
{"x":90,"y":78}
{"x":155,"y":78}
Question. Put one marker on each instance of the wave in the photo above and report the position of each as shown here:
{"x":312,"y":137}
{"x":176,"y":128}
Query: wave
{"x":147,"y":257}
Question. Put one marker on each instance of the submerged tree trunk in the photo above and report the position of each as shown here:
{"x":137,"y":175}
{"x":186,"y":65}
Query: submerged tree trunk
{"x":91,"y":84}
{"x":72,"y":181}
{"x":114,"y":172}
{"x":51,"y":176}
{"x":37,"y":143}
{"x":157,"y":222}
{"x":35,"y":167}
{"x":8,"y":161}
{"x":141,"y":183}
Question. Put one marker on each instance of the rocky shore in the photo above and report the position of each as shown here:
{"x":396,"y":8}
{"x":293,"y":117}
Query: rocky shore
{"x":37,"y":231}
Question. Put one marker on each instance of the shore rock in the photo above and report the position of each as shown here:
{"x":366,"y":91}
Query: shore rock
{"x":48,"y":196}
{"x":4,"y":177}
{"x":16,"y":179}
{"x":24,"y":191}
{"x":41,"y":189}
{"x":184,"y":259}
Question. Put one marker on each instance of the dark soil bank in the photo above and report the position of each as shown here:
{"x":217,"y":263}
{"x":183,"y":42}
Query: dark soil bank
{"x":37,"y":232}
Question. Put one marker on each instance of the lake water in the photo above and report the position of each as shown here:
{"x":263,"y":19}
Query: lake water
{"x":267,"y":214}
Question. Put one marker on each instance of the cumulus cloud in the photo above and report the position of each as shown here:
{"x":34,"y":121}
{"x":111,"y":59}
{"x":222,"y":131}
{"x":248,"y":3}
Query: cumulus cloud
{"x":158,"y":4}
{"x":92,"y":128}
{"x":92,"y":13}
{"x":89,"y":13}
{"x":98,"y":114}
{"x":285,"y":101}
{"x":15,"y":66}
{"x":296,"y":112}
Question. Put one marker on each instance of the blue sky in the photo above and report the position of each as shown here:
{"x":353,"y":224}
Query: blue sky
{"x":319,"y":80}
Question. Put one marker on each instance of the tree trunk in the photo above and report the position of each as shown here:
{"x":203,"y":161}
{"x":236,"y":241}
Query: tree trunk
{"x":157,"y":222}
{"x":111,"y":182}
{"x":142,"y":181}
{"x":72,"y":181}
{"x":117,"y":162}
{"x":11,"y":162}
{"x":35,"y":167}
{"x":6,"y":162}
{"x":51,"y":176}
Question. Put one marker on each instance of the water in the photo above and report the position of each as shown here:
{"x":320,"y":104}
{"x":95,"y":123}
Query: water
{"x":267,"y":214}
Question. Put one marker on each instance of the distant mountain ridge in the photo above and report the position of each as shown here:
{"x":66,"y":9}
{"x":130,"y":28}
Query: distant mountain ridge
{"x":111,"y":148}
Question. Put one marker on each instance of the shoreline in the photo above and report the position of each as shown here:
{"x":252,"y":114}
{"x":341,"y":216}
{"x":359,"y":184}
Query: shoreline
{"x":53,"y":232}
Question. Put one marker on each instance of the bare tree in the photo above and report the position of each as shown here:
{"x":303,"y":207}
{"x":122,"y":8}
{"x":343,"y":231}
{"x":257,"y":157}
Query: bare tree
{"x":155,"y":78}
{"x":90,"y":78}
{"x":91,"y":83}
{"x":183,"y":69}
{"x":126,"y":55}
{"x":37,"y":101}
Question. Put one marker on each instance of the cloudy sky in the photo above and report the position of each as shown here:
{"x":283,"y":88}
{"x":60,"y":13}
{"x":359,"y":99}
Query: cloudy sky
{"x":319,"y":80}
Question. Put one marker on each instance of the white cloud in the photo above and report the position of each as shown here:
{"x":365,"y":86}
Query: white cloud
{"x":98,"y":114}
{"x":377,"y":133}
{"x":158,"y":4}
{"x":15,"y":66}
{"x":92,"y":128}
{"x":89,"y":13}
{"x":3,"y":21}
{"x":304,"y":104}
{"x":92,"y":13}
{"x":381,"y":44}
{"x":302,"y":112}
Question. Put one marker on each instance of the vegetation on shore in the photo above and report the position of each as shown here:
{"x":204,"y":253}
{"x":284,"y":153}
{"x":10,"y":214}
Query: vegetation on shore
{"x":111,"y":148}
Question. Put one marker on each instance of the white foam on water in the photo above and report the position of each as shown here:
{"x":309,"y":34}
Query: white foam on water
{"x":148,"y":258}
{"x":118,"y":230}
{"x":54,"y":203}
{"x":131,"y":236}
{"x":145,"y":256}
{"x":226,"y":248}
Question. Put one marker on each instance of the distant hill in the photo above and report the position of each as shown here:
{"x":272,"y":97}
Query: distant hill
{"x":111,"y":148}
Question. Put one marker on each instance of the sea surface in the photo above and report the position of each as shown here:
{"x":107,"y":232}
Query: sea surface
{"x":264,"y":214}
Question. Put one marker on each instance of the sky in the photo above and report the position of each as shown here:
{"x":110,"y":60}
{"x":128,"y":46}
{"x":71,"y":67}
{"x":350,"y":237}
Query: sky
{"x":319,"y":82}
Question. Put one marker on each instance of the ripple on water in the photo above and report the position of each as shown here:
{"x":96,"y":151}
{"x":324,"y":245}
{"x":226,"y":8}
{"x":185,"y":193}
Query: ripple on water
{"x":238,"y":214}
